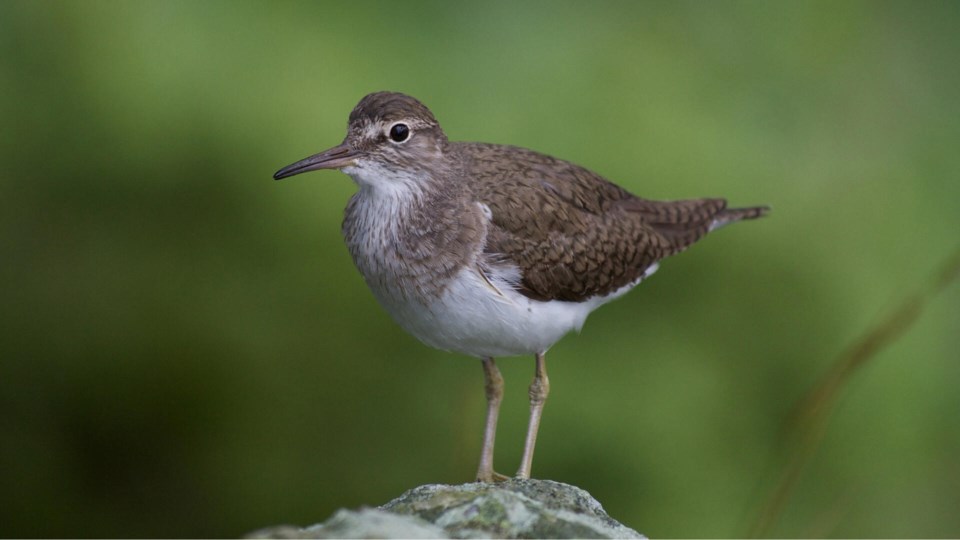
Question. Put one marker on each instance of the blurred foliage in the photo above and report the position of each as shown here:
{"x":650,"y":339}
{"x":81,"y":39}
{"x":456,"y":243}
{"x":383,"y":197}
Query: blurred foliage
{"x":187,"y":349}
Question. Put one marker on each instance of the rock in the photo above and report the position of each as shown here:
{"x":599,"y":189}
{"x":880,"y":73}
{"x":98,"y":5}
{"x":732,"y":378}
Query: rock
{"x":362,"y":523}
{"x":511,"y":509}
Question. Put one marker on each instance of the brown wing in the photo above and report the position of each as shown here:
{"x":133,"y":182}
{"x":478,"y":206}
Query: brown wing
{"x":572,"y":233}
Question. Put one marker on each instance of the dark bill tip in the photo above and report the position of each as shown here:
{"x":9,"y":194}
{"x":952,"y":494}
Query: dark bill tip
{"x":334,"y":158}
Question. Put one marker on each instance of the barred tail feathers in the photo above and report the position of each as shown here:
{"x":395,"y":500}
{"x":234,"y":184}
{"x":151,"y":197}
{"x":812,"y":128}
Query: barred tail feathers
{"x":731,"y":215}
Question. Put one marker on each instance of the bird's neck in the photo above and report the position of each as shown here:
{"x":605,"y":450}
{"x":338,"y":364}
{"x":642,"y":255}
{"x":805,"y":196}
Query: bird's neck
{"x":403,"y":232}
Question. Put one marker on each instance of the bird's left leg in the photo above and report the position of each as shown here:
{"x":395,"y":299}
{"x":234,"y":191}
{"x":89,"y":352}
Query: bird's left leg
{"x":494,"y":390}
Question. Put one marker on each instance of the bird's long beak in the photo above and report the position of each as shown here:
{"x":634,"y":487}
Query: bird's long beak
{"x":335,"y":158}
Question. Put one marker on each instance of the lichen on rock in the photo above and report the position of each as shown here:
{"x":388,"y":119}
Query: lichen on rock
{"x":511,"y":509}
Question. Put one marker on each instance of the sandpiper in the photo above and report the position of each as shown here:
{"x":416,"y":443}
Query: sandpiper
{"x":491,"y":250}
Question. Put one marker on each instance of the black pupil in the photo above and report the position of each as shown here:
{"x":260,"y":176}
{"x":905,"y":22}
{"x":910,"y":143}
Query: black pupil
{"x":399,"y":132}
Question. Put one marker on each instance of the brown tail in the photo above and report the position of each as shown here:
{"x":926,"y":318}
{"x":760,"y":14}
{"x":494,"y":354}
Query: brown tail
{"x":684,"y":222}
{"x":730,"y":215}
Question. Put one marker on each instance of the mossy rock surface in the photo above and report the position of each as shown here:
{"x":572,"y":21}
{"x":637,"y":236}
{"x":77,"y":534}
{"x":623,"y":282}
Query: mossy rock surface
{"x":512,"y":509}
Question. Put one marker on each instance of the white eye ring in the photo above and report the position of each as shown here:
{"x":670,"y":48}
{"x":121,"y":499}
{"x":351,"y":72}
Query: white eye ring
{"x":399,"y":133}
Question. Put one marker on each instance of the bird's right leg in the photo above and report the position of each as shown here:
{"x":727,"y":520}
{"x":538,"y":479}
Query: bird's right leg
{"x":494,"y":390}
{"x":539,"y":389}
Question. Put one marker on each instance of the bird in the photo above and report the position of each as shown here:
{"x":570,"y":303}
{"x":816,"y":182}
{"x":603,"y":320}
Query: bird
{"x":491,"y":250}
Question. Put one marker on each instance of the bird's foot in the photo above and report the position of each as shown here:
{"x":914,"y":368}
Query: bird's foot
{"x":491,"y":477}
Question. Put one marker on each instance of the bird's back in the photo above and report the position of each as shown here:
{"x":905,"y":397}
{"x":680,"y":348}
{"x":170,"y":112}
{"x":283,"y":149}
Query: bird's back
{"x":573,"y":234}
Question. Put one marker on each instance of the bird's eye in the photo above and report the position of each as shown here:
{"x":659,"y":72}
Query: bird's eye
{"x":399,"y":133}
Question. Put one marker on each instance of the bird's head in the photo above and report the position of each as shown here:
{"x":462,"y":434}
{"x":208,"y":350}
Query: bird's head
{"x":391,"y":137}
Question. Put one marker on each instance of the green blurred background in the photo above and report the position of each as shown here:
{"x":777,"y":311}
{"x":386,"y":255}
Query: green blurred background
{"x":187,"y":349}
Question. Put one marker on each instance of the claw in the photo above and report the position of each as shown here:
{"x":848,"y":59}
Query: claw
{"x":492,"y":477}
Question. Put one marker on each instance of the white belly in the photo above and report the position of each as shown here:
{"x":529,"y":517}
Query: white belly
{"x":466,"y":313}
{"x":471,"y":318}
